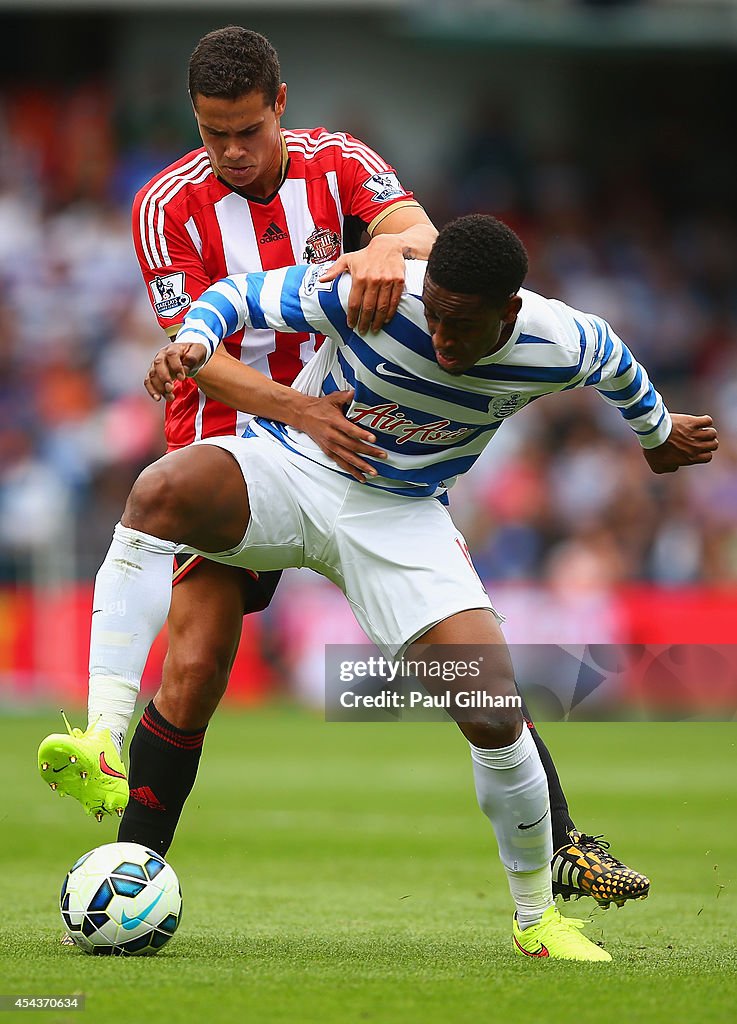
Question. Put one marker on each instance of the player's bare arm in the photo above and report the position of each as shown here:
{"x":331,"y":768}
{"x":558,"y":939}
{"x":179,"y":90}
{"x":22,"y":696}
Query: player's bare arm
{"x":692,"y":441}
{"x":377,"y":272}
{"x":239,"y":386}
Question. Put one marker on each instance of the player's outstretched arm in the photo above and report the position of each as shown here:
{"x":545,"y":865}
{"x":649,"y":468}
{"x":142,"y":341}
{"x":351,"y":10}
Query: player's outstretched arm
{"x":377,"y":272}
{"x":692,"y":441}
{"x":239,"y":386}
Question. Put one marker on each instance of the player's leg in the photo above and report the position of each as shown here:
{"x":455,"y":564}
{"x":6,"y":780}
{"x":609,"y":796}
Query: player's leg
{"x":582,"y":864}
{"x":414,"y":584}
{"x":194,"y":496}
{"x":204,"y":628}
{"x":196,"y":668}
{"x":560,"y":817}
{"x":510,"y":782}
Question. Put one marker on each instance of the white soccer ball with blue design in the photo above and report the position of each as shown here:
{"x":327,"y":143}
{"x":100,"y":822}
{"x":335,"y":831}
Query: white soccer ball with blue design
{"x":121,"y":899}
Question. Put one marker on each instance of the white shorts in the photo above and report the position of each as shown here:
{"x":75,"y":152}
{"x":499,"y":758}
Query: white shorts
{"x":400,"y":561}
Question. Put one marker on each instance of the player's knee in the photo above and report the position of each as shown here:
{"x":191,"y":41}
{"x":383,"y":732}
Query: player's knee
{"x":157,"y":502}
{"x":493,"y":728}
{"x":190,"y":693}
{"x":193,"y":676}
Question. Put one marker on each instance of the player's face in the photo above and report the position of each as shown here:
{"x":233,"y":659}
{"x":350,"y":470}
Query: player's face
{"x":242,"y":138}
{"x":465,"y":328}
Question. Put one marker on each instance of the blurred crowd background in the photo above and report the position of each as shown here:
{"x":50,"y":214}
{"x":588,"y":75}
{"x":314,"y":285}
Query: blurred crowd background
{"x":610,"y":152}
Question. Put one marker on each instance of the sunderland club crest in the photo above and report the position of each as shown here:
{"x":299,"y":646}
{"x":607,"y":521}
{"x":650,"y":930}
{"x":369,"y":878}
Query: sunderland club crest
{"x":322,"y":246}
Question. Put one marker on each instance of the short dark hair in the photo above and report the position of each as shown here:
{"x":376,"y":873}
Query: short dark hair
{"x":478,"y":255}
{"x":233,"y":61}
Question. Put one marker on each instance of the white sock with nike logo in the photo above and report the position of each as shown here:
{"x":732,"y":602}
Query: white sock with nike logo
{"x":130,"y":606}
{"x":512,"y":791}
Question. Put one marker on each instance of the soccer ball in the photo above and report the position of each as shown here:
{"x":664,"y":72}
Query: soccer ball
{"x":121,"y":899}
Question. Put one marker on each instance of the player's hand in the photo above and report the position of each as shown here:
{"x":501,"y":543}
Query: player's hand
{"x":324,"y":420}
{"x":171,"y":363}
{"x":377,"y":282}
{"x":692,"y":440}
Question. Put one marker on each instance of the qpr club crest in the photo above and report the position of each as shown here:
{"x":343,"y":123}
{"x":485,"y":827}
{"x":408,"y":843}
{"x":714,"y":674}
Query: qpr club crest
{"x":322,"y":246}
{"x":311,"y":281}
{"x":506,"y":405}
{"x":169,"y":295}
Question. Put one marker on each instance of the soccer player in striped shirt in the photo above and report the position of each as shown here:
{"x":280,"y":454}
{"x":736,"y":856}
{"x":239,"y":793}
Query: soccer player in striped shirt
{"x":253,"y":197}
{"x":467,"y":348}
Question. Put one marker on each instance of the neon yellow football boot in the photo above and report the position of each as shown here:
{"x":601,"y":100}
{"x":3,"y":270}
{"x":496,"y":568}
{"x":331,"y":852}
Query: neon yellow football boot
{"x":556,"y":938}
{"x":87,"y":766}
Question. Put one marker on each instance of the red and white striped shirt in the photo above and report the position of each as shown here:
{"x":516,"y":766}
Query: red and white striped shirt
{"x":190,"y":229}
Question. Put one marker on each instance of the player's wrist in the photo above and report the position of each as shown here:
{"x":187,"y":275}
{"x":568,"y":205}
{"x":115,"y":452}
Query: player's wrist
{"x":414,"y":243}
{"x":295,"y":409}
{"x":190,"y":337}
{"x":390,"y":243}
{"x":660,"y":435}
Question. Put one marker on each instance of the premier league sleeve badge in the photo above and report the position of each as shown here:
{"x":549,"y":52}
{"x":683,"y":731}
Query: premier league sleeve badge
{"x":169,"y":296}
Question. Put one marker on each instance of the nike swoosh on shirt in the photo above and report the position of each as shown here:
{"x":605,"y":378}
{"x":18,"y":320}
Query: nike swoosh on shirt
{"x":534,"y":822}
{"x":386,"y":372}
{"x":131,"y":922}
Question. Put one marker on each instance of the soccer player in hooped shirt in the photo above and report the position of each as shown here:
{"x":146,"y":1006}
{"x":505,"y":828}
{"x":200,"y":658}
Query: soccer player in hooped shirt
{"x":254,"y":198}
{"x":467,"y":348}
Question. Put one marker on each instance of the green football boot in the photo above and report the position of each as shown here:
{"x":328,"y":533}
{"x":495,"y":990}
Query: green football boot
{"x":87,"y":766}
{"x":556,"y":938}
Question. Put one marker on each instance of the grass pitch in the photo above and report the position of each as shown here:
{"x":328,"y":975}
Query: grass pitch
{"x":340,"y":873}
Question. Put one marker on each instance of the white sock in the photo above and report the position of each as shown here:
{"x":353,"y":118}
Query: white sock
{"x":532,"y":894}
{"x":130,"y":606}
{"x":512,"y":791}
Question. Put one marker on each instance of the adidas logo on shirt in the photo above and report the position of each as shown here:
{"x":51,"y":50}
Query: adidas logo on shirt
{"x":273,"y":233}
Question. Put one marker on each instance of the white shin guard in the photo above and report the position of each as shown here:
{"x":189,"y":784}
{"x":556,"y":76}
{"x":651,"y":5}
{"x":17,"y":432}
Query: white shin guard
{"x":130,"y":606}
{"x":512,"y":791}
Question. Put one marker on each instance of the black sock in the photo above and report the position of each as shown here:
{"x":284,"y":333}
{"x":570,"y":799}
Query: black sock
{"x":162,"y":771}
{"x":560,"y":817}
